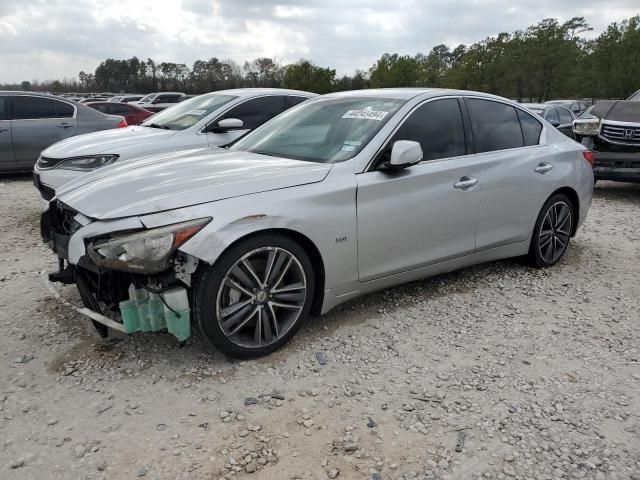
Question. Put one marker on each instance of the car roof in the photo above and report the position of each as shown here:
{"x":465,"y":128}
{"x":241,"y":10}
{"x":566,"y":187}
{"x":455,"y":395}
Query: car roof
{"x":536,"y":106}
{"x":250,"y":92}
{"x":563,"y":101}
{"x":408,"y":93}
{"x":37,"y":94}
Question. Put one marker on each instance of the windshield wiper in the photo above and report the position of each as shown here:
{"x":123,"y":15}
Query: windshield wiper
{"x":155,"y":125}
{"x":264,"y":153}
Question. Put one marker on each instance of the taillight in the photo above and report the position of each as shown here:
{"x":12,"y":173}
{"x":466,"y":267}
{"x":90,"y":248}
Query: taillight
{"x":588,"y":156}
{"x":122,"y":123}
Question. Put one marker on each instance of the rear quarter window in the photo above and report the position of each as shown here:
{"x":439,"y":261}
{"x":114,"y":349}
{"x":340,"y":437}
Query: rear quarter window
{"x":64,"y":110}
{"x":531,"y":128}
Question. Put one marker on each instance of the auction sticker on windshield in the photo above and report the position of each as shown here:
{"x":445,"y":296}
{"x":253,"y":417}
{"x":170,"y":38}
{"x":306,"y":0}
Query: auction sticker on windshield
{"x":376,"y":115}
{"x":197,"y":113}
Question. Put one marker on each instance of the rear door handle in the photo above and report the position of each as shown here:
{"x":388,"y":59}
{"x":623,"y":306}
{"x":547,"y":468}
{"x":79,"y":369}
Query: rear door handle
{"x":465,"y":182}
{"x":65,"y":125}
{"x":4,"y":130}
{"x":543,"y":167}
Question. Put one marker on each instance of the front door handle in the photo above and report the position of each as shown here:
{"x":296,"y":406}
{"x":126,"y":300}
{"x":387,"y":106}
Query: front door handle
{"x":65,"y":125}
{"x":465,"y":182}
{"x":543,"y":167}
{"x":4,"y":130}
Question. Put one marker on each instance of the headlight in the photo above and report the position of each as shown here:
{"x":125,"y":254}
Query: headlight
{"x":87,"y":163}
{"x":148,"y":251}
{"x":586,"y":128}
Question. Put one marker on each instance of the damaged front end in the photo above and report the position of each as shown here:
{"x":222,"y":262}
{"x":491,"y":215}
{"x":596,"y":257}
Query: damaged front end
{"x":135,"y":276}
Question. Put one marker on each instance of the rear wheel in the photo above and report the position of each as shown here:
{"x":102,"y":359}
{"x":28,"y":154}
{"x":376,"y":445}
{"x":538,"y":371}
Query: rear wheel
{"x":552,"y":232}
{"x":256,"y":296}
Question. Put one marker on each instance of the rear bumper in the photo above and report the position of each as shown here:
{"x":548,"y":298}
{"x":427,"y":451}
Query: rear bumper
{"x":617,"y":166}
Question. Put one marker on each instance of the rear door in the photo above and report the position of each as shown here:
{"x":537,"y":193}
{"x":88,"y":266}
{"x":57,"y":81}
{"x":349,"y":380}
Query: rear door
{"x":39,"y":122}
{"x":7,"y":159}
{"x":517,"y":171}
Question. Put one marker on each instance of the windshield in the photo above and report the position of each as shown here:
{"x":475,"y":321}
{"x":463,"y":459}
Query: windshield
{"x":148,"y":98}
{"x":324,"y":130}
{"x":635,"y":97}
{"x":587,"y":114}
{"x":188,"y":113}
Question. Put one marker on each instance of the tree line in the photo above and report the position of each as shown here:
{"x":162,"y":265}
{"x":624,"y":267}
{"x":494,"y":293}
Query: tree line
{"x":547,"y":60}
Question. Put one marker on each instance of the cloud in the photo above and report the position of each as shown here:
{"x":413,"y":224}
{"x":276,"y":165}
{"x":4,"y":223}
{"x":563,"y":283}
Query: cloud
{"x":47,"y":39}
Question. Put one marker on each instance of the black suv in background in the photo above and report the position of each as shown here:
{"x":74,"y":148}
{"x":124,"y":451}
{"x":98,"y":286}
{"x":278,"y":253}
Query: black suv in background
{"x":611,"y":129}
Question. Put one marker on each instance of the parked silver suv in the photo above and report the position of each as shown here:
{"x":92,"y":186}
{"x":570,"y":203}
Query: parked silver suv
{"x":30,"y":122}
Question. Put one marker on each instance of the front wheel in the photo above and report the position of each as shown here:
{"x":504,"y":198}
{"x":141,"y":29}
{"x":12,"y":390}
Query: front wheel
{"x":552,"y":232}
{"x":255,"y":297}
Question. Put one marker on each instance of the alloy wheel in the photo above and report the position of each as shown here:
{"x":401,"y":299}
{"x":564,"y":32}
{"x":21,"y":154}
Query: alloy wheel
{"x":555,"y":232}
{"x":261,"y":297}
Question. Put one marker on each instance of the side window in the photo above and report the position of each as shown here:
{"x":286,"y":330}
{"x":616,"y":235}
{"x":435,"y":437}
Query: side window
{"x":552,"y":116}
{"x":169,"y":98}
{"x":255,"y":112}
{"x":291,"y":101}
{"x":101,"y":107}
{"x":4,"y":108}
{"x":565,"y":115}
{"x":63,"y":110}
{"x":121,"y":109}
{"x":26,"y":107}
{"x":495,"y":125}
{"x":531,"y":128}
{"x":438,"y":126}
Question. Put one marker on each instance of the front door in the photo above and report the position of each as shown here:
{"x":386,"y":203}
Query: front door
{"x":424,"y":214}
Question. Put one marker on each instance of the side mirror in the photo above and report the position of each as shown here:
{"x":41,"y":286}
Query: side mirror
{"x":554,"y":123}
{"x":231,"y":123}
{"x":405,"y":153}
{"x":155,"y":100}
{"x":225,"y":125}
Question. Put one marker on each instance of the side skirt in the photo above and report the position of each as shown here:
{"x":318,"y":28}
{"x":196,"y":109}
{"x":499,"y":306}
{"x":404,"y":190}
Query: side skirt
{"x":343,"y":293}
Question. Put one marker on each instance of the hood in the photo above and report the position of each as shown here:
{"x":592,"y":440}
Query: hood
{"x":106,"y":141}
{"x":617,"y":110}
{"x":176,"y":180}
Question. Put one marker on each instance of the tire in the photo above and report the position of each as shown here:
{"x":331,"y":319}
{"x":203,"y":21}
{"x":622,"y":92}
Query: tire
{"x":552,"y":232}
{"x":276,"y":300}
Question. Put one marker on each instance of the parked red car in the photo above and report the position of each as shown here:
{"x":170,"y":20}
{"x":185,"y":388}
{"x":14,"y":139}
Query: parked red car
{"x":133,"y":114}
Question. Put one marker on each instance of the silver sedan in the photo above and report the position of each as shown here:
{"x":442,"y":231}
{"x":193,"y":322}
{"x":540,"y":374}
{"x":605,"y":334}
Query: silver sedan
{"x":339,"y":196}
{"x":30,"y":122}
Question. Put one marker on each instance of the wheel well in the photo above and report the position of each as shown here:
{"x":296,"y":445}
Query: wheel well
{"x":314,"y":256}
{"x":575,"y":205}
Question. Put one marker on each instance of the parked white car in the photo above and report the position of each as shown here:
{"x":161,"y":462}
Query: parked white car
{"x":208,"y":120}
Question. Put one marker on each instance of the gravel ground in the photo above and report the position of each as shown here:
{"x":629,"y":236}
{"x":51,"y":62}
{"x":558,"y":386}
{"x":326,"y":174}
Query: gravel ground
{"x":494,"y":372}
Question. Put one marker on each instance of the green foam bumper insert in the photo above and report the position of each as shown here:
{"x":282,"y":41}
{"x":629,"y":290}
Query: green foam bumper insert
{"x":180,"y":326}
{"x":130,"y":316}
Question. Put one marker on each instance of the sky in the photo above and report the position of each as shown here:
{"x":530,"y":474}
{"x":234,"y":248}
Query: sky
{"x":53,"y":39}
